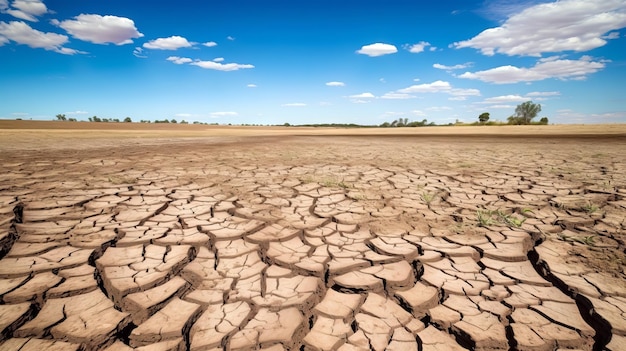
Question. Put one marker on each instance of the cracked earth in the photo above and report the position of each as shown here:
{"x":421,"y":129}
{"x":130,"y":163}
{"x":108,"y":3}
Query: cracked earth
{"x":315,"y":243}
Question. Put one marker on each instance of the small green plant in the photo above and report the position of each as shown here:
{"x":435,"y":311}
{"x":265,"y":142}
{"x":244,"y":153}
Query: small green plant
{"x":428,"y":197}
{"x":487,"y":218}
{"x":590,"y":207}
{"x":589,"y":240}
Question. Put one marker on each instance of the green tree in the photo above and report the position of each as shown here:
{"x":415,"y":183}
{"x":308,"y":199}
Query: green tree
{"x":61,"y":117}
{"x":173,"y":121}
{"x":127,"y":120}
{"x":484,"y":117}
{"x":543,"y":120}
{"x":525,"y":112}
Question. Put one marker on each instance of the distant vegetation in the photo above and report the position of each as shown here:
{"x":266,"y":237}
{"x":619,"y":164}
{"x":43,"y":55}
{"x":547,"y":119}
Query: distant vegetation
{"x":524,"y":114}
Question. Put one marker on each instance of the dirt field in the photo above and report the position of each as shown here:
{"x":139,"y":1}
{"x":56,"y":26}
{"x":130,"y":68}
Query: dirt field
{"x":161,"y":237}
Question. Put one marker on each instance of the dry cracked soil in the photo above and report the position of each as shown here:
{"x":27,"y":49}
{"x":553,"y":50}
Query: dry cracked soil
{"x":311,"y":242}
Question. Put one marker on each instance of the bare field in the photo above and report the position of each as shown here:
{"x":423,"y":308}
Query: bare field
{"x":230,"y":238}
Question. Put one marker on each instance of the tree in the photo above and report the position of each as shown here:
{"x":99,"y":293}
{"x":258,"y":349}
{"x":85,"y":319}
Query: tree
{"x":127,"y":120}
{"x":173,"y":121}
{"x":484,"y":117}
{"x":526,"y":111}
{"x":61,"y":117}
{"x":543,"y":120}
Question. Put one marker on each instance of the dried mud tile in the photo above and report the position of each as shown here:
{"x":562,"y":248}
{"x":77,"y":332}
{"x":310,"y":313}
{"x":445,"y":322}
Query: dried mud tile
{"x":267,"y":328}
{"x":216,"y":323}
{"x":289,"y":291}
{"x":34,"y":289}
{"x":273,"y":232}
{"x":402,"y":340}
{"x":141,"y":305}
{"x":386,"y":310}
{"x":484,"y":330}
{"x":338,"y":305}
{"x":139,"y":236}
{"x":57,"y":258}
{"x":241,"y":267}
{"x":234,"y":248}
{"x":376,"y":331}
{"x":32,"y":344}
{"x":432,"y":339}
{"x":89,"y":318}
{"x":327,"y":334}
{"x":462,"y":304}
{"x":167,"y":323}
{"x":565,"y":314}
{"x":358,"y":281}
{"x":613,"y":311}
{"x":549,"y":332}
{"x":444,"y":316}
{"x":419,"y":298}
{"x":618,"y":342}
{"x":74,"y":285}
{"x":607,"y":284}
{"x":8,"y":284}
{"x":12,"y":316}
{"x":521,"y":271}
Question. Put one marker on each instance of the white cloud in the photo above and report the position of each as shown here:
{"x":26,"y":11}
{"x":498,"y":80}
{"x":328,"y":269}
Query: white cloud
{"x":544,"y":93}
{"x":417,"y":48}
{"x":210,"y":44}
{"x":559,"y":68}
{"x":457,"y":98}
{"x":418,"y":113}
{"x":434,"y":87}
{"x":450,"y":68}
{"x":251,"y":85}
{"x":359,"y":101}
{"x":576,"y":25}
{"x":377,"y":49}
{"x":101,"y":29}
{"x":336,"y":84}
{"x":24,"y":9}
{"x":220,"y":66}
{"x":294,"y":104}
{"x":230,"y":38}
{"x":171,"y":43}
{"x":397,"y":96}
{"x":179,"y":60}
{"x":218,"y":59}
{"x":611,"y":36}
{"x":503,"y":99}
{"x":138,"y":52}
{"x":501,"y":106}
{"x":223,"y":114}
{"x":22,"y":33}
{"x":79,"y":112}
{"x":362,"y":96}
{"x":465,"y":92}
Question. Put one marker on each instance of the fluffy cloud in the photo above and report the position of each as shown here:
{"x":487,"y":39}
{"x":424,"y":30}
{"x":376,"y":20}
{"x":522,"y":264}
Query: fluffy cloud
{"x":220,"y":66}
{"x":434,"y":87}
{"x":294,"y":104}
{"x":101,"y":29}
{"x":543,"y":93}
{"x":24,"y":9}
{"x":397,"y":96}
{"x":218,"y":59}
{"x":22,"y":33}
{"x":417,"y":48}
{"x":138,"y":52}
{"x":576,"y":25}
{"x":179,"y":60}
{"x":451,"y":68}
{"x":210,"y":44}
{"x":544,"y":69}
{"x":362,"y":96}
{"x":209,"y":64}
{"x":336,"y":84}
{"x":251,"y":85}
{"x":377,"y":49}
{"x":172,"y":43}
{"x":504,"y":99}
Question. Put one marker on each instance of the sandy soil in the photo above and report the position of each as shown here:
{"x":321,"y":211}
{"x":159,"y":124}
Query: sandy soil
{"x":211,"y":238}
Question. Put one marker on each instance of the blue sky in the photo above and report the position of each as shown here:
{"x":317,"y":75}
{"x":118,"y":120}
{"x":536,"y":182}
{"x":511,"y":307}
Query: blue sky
{"x":316,"y":61}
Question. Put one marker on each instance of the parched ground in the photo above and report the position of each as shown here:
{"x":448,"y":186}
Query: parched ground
{"x":195,"y":238}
